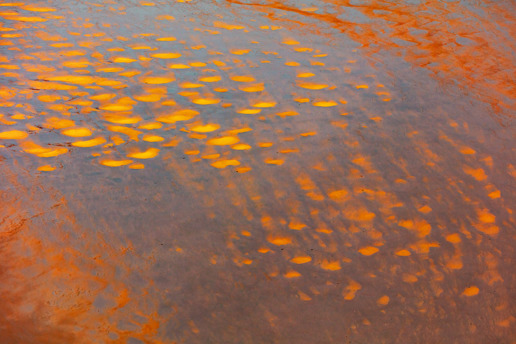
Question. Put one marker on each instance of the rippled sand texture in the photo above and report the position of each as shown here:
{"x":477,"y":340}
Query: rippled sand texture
{"x":257,"y":171}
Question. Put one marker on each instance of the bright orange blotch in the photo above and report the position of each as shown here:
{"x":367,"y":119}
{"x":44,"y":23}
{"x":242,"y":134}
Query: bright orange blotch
{"x":42,"y":152}
{"x":114,"y":163}
{"x":223,"y":141}
{"x":225,"y":163}
{"x":291,"y":274}
{"x":383,"y":301}
{"x":279,"y":240}
{"x":179,"y":115}
{"x":76,"y":132}
{"x":301,"y":259}
{"x":46,"y":168}
{"x":403,"y":253}
{"x":205,"y":101}
{"x":13,"y":135}
{"x":89,"y":143}
{"x":243,"y":78}
{"x":368,"y":251}
{"x":338,"y":195}
{"x":205,"y":128}
{"x":166,"y":55}
{"x":147,"y":154}
{"x":214,"y":78}
{"x":471,"y":291}
{"x":157,"y":80}
{"x":331,"y":265}
{"x":350,"y":291}
{"x":477,"y":173}
{"x":73,"y":79}
{"x":264,"y":104}
{"x":296,"y":225}
{"x":321,"y":103}
{"x":453,"y":238}
{"x":312,"y":85}
{"x":290,"y":41}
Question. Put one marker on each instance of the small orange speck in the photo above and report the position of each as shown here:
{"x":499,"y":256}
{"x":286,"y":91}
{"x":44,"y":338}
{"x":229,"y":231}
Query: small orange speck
{"x":304,"y":296}
{"x":408,"y":278}
{"x":384,"y":300}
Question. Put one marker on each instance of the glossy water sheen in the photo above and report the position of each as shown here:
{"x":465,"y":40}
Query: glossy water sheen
{"x":325,"y":171}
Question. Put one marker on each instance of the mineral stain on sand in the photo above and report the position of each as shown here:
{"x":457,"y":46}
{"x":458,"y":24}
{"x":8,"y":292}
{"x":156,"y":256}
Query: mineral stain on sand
{"x":222,"y":171}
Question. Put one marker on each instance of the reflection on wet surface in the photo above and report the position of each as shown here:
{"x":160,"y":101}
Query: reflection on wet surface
{"x":257,"y":172}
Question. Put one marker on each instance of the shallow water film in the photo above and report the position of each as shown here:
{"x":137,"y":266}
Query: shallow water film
{"x":257,"y":171}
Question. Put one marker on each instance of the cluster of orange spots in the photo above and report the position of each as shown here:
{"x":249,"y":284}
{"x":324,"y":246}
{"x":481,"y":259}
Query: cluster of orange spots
{"x":408,"y":22}
{"x":350,"y":291}
{"x":223,"y":112}
{"x":112,"y":100}
{"x":486,"y":222}
{"x":421,"y":227}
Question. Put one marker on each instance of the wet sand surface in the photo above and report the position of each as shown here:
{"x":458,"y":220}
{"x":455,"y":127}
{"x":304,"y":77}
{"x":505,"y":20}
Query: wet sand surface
{"x":257,"y":171}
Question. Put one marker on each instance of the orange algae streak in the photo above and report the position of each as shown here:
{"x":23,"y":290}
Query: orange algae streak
{"x":223,"y":141}
{"x":76,"y":132}
{"x":157,"y":80}
{"x":322,"y":103}
{"x":290,"y":41}
{"x":291,"y":274}
{"x":13,"y":135}
{"x":243,"y":78}
{"x":179,"y":115}
{"x":312,"y":86}
{"x":301,"y":259}
{"x":166,"y":55}
{"x":205,"y":101}
{"x":227,"y":26}
{"x":42,"y":152}
{"x":210,"y":78}
{"x":73,"y":79}
{"x":114,"y":163}
{"x":368,"y":251}
{"x":46,"y":168}
{"x":225,"y":163}
{"x":279,"y":240}
{"x":89,"y":143}
{"x":264,"y":104}
{"x":136,"y":166}
{"x":205,"y":128}
{"x":147,"y":154}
